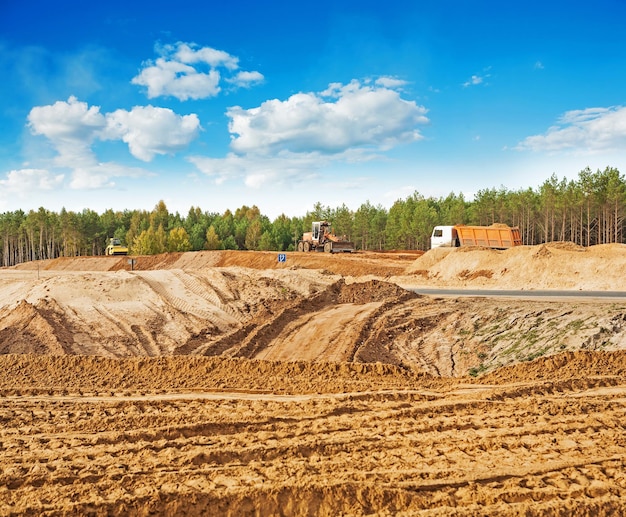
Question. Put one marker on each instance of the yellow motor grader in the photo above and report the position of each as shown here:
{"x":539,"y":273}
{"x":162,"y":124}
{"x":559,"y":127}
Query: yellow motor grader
{"x":322,"y":238}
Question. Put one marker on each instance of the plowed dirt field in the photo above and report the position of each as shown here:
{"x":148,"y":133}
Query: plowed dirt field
{"x":228,"y":383}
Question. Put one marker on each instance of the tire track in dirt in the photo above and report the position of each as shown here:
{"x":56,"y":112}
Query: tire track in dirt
{"x":458,"y":449}
{"x":181,"y":304}
{"x":328,"y":333}
{"x":323,"y":319}
{"x":208,"y":291}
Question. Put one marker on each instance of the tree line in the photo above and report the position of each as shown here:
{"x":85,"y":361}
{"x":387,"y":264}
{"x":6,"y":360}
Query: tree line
{"x":587,"y":210}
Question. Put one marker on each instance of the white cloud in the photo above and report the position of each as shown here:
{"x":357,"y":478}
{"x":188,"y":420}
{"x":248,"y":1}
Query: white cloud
{"x":149,"y":131}
{"x":186,"y":71}
{"x":340,"y":118}
{"x":67,"y":121}
{"x":246,"y":79}
{"x":587,"y":130}
{"x":28,"y":180}
{"x":71,"y":127}
{"x":478,"y":79}
{"x":102,"y":174}
{"x":178,"y":80}
{"x":390,"y":82}
{"x":282,"y":142}
{"x":539,"y":65}
{"x":190,"y":53}
{"x":473,"y":81}
{"x":283,"y":168}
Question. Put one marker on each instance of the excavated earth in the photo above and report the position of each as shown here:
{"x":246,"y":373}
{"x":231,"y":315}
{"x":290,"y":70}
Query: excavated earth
{"x":229,"y":383}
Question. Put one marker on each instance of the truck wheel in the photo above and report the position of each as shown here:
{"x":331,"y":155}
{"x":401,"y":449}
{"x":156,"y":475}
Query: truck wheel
{"x":300,"y":246}
{"x":307,"y":247}
{"x":328,"y":247}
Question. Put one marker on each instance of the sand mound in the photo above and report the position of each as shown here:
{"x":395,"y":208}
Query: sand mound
{"x":563,"y":366}
{"x":555,"y":265}
{"x":60,"y":374}
{"x":565,"y":245}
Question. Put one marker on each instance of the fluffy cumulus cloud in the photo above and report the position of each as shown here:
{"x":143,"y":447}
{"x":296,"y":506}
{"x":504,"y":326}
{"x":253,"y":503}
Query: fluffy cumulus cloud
{"x":72,"y":126}
{"x":67,"y":121}
{"x":187,"y":71}
{"x":29,"y":180}
{"x":334,"y":121}
{"x":149,"y":131}
{"x":300,"y":136}
{"x":588,"y":130}
{"x":246,"y":79}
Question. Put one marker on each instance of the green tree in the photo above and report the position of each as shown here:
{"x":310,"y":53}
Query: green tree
{"x":266,"y":242}
{"x":253,"y":235}
{"x":178,"y":240}
{"x":161,"y":240}
{"x":145,"y":243}
{"x":160,"y":216}
{"x":229,"y":243}
{"x":282,"y":234}
{"x":212,"y":239}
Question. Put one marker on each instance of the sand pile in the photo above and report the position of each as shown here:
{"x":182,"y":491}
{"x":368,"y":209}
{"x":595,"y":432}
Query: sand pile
{"x":292,"y":313}
{"x":548,"y":266}
{"x":99,"y":375}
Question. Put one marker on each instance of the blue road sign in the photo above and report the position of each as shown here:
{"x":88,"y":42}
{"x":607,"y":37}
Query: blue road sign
{"x":282,"y":257}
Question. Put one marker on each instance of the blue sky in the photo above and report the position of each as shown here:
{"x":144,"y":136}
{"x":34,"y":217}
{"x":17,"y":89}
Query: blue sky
{"x":282,"y":105}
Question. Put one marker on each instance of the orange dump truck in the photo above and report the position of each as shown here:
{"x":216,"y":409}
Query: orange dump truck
{"x":498,"y":236}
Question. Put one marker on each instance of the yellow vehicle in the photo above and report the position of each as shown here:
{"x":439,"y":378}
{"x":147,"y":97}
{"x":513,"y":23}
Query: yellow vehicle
{"x":115,"y":247}
{"x":322,"y":238}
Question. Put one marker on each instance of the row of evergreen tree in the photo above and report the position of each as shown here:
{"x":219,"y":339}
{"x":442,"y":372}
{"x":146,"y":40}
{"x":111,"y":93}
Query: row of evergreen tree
{"x":588,"y":210}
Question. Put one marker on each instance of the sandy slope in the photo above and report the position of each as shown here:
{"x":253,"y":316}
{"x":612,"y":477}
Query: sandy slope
{"x":228,"y":383}
{"x":316,"y":306}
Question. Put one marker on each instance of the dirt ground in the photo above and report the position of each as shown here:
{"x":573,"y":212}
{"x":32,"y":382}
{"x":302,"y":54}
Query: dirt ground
{"x":228,"y":383}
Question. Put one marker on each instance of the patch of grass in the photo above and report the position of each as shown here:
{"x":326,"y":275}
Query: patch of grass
{"x":477,"y":370}
{"x":536,"y":354}
{"x":575,"y":326}
{"x":531,"y":337}
{"x":493,"y":329}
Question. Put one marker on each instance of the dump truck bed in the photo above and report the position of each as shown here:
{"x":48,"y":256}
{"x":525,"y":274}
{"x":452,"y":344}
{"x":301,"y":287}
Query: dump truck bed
{"x":489,"y":236}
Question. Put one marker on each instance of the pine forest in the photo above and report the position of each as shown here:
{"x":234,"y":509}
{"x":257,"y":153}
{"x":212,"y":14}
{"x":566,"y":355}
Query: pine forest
{"x":588,"y":210}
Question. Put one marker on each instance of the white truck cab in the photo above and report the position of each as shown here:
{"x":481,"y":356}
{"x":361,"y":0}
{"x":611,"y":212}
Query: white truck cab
{"x":444,"y":236}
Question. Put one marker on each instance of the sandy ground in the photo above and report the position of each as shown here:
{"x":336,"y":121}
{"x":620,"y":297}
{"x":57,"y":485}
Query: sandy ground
{"x":228,"y":383}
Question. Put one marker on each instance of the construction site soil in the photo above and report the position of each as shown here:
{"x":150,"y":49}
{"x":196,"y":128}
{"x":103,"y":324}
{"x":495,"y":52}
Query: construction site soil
{"x":232,"y":383}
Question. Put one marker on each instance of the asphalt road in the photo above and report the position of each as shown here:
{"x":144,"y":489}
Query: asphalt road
{"x":521,"y":294}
